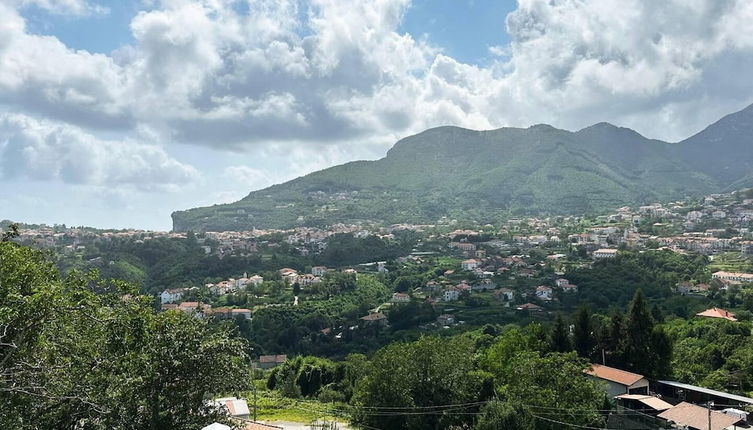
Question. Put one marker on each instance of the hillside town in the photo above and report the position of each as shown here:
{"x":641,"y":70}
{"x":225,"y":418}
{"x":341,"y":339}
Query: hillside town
{"x":450,"y":277}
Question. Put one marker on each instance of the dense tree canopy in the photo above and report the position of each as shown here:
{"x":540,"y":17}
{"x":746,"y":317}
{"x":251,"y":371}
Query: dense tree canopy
{"x":80,"y":352}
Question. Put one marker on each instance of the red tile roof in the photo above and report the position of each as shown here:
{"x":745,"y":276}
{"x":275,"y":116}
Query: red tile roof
{"x":717,"y":313}
{"x":614,"y":375}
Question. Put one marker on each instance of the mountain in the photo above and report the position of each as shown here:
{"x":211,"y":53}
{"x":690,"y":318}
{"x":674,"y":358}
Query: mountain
{"x":487,"y":175}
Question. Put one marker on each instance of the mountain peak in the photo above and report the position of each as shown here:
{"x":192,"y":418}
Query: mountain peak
{"x":484,"y":175}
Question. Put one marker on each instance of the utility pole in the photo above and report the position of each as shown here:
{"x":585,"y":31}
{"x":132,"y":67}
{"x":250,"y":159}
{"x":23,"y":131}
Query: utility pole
{"x":253,"y":382}
{"x":709,"y":404}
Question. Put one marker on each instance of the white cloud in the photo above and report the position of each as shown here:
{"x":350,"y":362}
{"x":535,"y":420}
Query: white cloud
{"x":340,"y":74}
{"x":46,"y":151}
{"x":248,"y":176}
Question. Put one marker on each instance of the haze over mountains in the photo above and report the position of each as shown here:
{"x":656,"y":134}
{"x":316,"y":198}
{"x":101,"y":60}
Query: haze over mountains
{"x":487,"y":175}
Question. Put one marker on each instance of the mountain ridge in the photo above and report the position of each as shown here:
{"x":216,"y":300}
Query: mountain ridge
{"x":450,"y":171}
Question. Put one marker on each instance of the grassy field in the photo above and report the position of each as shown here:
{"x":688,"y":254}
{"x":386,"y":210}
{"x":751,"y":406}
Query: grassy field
{"x":730,"y":262}
{"x":273,"y":407}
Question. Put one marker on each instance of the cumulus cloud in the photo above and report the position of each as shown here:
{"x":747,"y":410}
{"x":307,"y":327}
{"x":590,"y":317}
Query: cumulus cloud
{"x":325,"y":71}
{"x":46,"y":151}
{"x":248,"y":176}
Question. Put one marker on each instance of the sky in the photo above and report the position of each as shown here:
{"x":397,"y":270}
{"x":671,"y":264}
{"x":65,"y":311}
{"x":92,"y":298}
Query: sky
{"x":114,"y":114}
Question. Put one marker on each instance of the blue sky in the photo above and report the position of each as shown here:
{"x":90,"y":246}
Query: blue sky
{"x":117,"y":113}
{"x":465,"y":29}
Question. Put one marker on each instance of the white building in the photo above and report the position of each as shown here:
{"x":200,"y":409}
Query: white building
{"x":605,"y":253}
{"x":400,"y":298}
{"x":451,"y":294}
{"x":318,"y":270}
{"x":469,"y":264}
{"x":171,"y":295}
{"x":237,"y":408}
{"x":544,"y":293}
{"x":732,"y":276}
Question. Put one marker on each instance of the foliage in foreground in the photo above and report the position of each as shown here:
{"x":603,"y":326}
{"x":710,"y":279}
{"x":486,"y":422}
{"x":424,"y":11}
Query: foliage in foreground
{"x":83,"y":353}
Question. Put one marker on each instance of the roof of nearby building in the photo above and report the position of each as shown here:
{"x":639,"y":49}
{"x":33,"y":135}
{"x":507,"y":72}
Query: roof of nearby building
{"x":717,"y":313}
{"x":529,"y":306}
{"x":697,"y":417}
{"x":709,"y":391}
{"x":235,"y":407}
{"x":618,"y":376}
{"x":650,"y":401}
{"x":735,"y":274}
{"x":216,"y":426}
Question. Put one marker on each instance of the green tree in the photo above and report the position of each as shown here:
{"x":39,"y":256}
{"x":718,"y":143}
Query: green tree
{"x":639,"y":329}
{"x":497,"y":415}
{"x":553,"y":380}
{"x":427,"y":373}
{"x":583,"y":333}
{"x":560,"y":339}
{"x":82,"y":352}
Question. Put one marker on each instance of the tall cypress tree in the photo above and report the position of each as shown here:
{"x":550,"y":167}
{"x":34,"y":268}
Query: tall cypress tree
{"x":560,"y":340}
{"x":614,"y":342}
{"x":583,"y":333}
{"x":639,"y":355}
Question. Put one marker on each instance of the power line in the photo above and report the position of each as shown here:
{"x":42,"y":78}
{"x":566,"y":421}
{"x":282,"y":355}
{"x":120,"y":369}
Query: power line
{"x":580,"y":426}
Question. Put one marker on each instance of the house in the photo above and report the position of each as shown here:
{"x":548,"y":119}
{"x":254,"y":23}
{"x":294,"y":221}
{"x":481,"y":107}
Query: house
{"x":382,"y":267}
{"x":469,"y":264}
{"x":645,"y":403}
{"x":463,"y":246}
{"x":270,"y":361}
{"x":604,"y":253}
{"x":619,"y":381}
{"x":463,"y":287}
{"x":318,"y":270}
{"x":195,"y":307}
{"x":446,"y":319}
{"x":686,"y":288}
{"x":560,"y":282}
{"x":732,"y":276}
{"x":677,"y":391}
{"x":484,"y":285}
{"x":530,"y":307}
{"x":171,"y":295}
{"x":505,"y":294}
{"x":432,"y":286}
{"x":400,"y":298}
{"x":308,"y":280}
{"x":451,"y":294}
{"x":569,"y":288}
{"x":222,"y":288}
{"x":717,"y":313}
{"x":245,"y":313}
{"x":236,"y":408}
{"x":255,"y":280}
{"x":376,"y":318}
{"x":694,"y":417}
{"x":544,"y":293}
